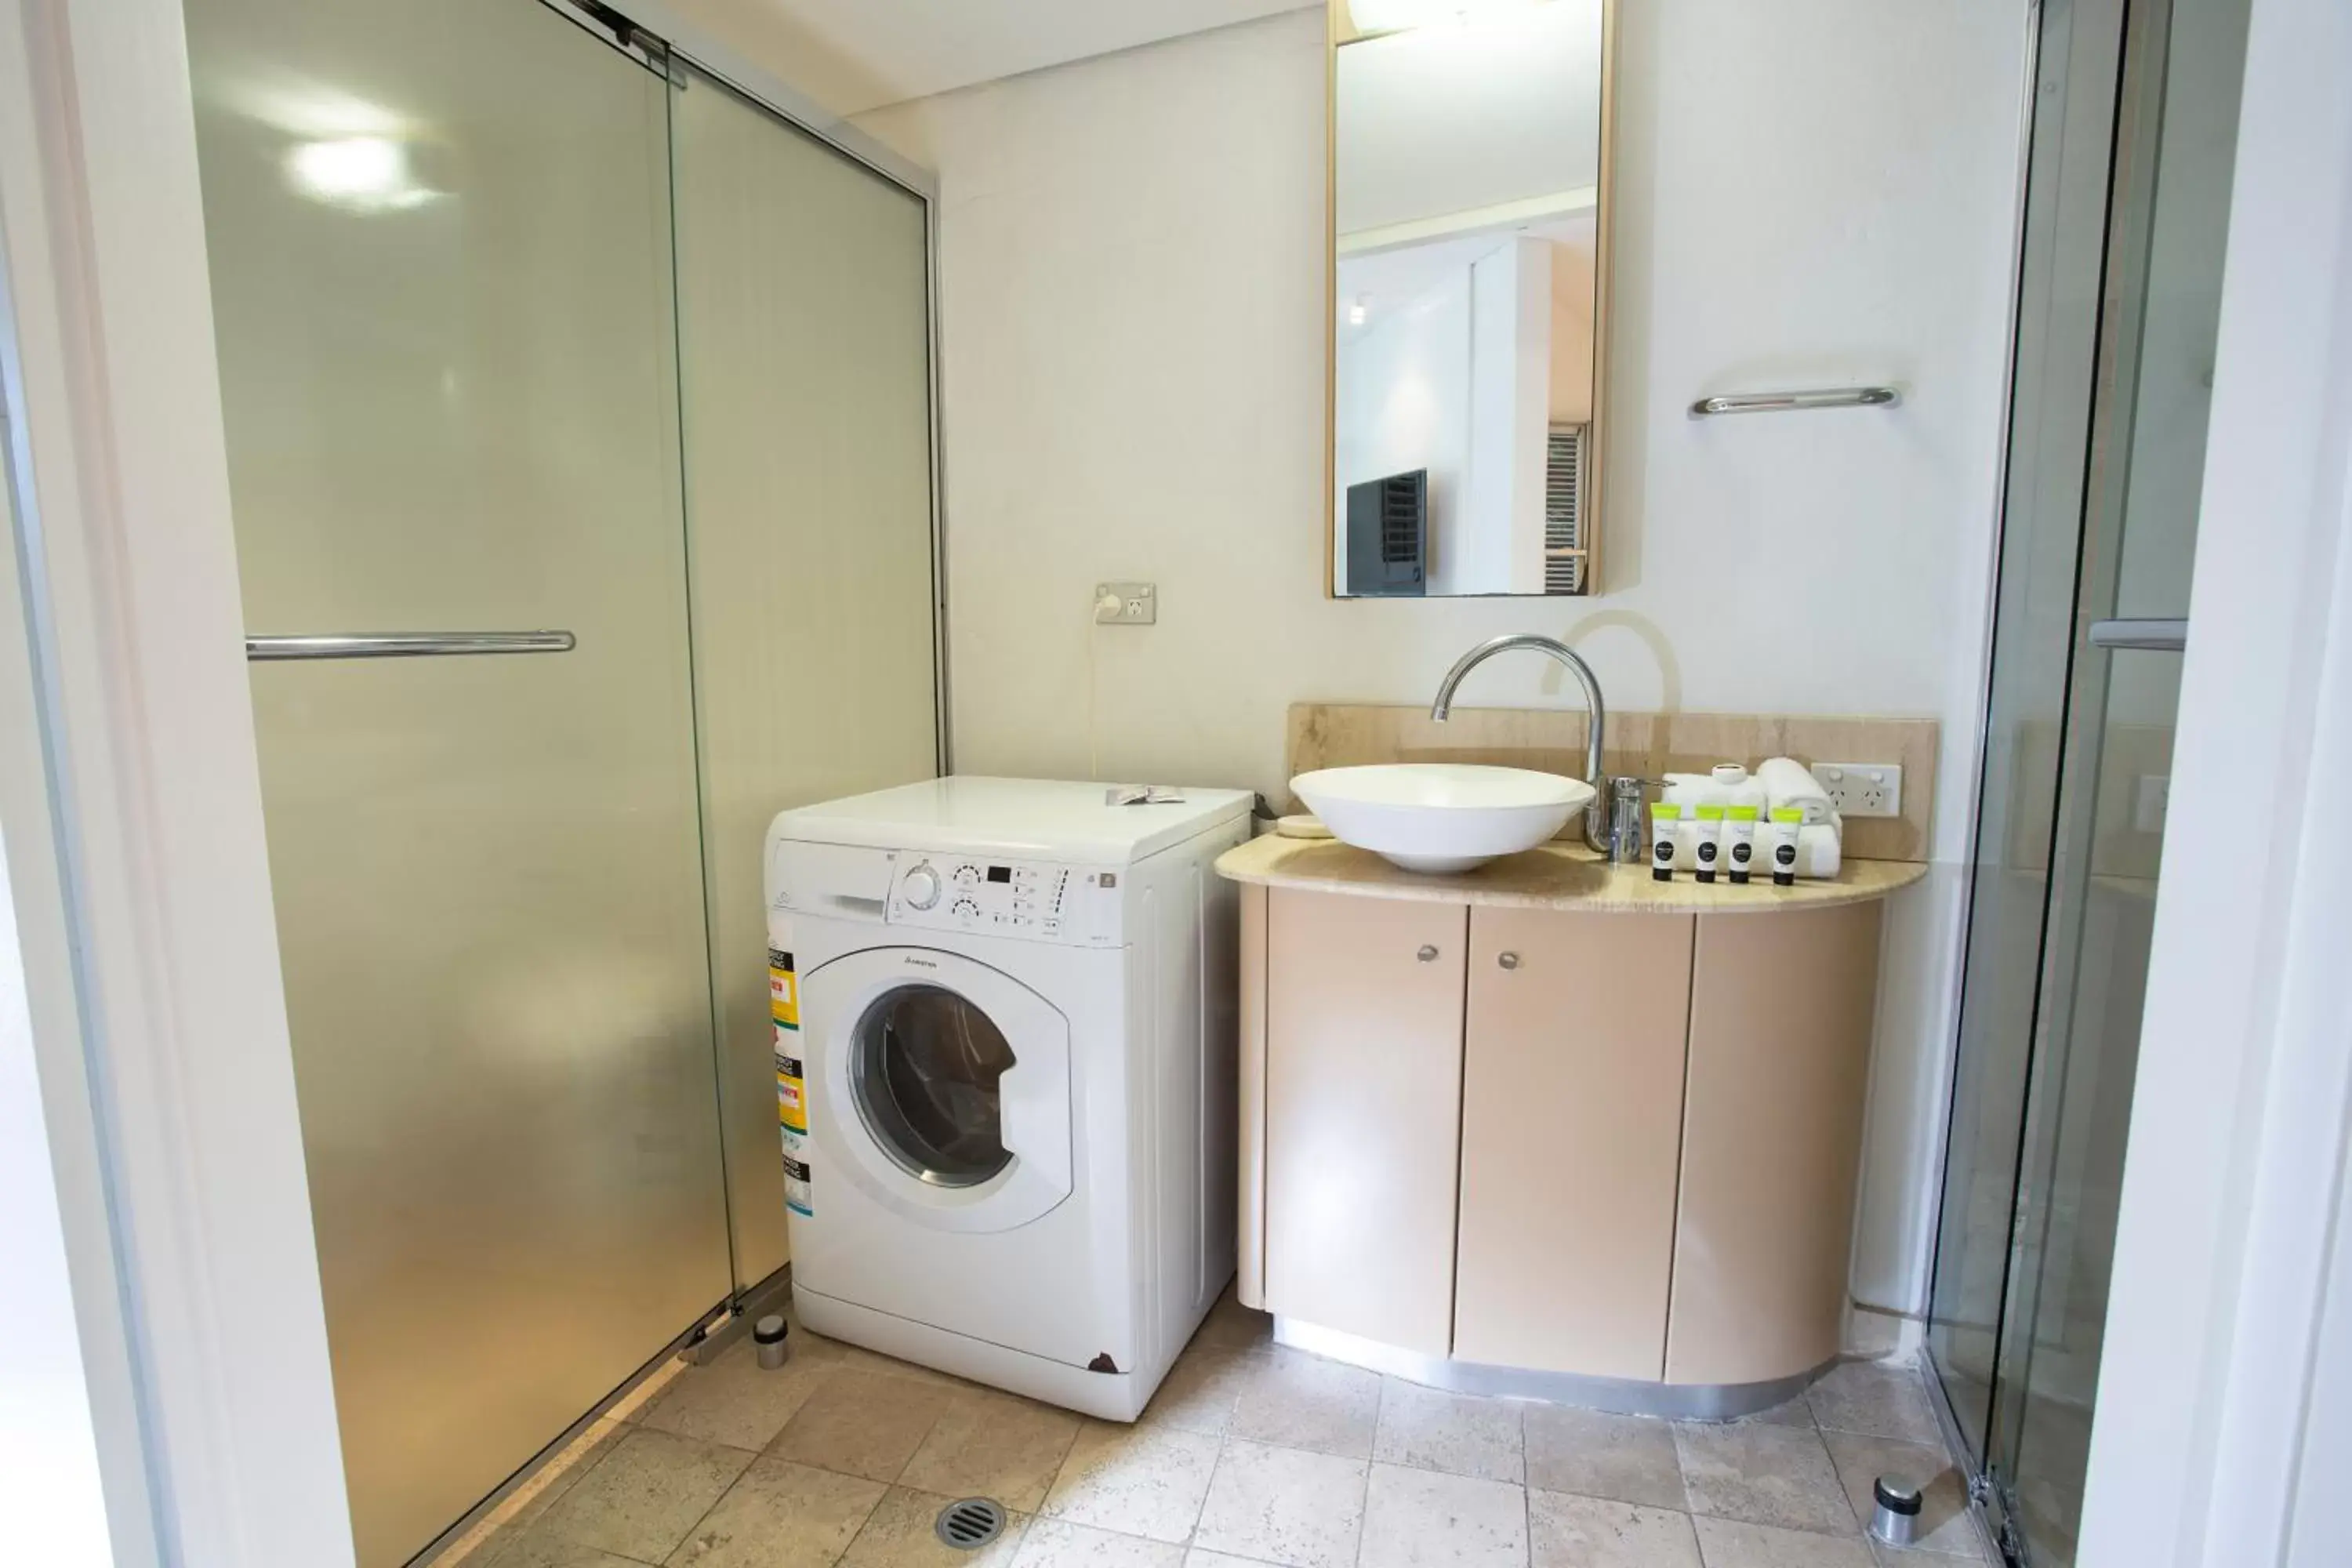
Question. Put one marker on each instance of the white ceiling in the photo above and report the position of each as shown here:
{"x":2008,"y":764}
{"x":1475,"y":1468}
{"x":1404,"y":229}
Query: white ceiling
{"x":855,"y":55}
{"x":1501,"y":108}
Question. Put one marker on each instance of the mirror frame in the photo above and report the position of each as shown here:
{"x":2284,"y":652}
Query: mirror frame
{"x":1337,"y":21}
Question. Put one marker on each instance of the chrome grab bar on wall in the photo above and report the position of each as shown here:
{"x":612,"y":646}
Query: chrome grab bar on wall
{"x":2162,"y":637}
{"x":1783,"y":402}
{"x":408,"y":645}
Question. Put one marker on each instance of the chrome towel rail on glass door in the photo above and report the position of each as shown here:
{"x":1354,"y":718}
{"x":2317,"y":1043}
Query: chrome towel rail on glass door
{"x":2161,"y":636}
{"x":1787,"y":402}
{"x":408,"y":645}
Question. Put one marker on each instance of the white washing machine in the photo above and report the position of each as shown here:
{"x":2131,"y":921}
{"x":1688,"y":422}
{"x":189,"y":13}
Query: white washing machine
{"x":1007,"y":1015}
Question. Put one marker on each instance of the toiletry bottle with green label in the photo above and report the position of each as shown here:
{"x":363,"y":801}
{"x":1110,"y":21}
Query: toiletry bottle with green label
{"x":1708,"y":846}
{"x":1738,"y":840}
{"x":1665,"y":821}
{"x":1788,"y":821}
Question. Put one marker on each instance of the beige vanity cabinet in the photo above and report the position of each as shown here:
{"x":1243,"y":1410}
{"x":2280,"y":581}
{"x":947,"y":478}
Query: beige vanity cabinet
{"x":1614,"y":1136}
{"x":1363,"y":1098}
{"x":1781,"y":1008}
{"x":1572,"y":1129}
{"x":1507,"y":1199}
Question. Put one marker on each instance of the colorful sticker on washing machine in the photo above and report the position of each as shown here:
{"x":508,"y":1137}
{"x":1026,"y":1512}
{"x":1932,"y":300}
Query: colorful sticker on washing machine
{"x":791,"y":1092}
{"x":784,"y":989}
{"x":797,"y":1173}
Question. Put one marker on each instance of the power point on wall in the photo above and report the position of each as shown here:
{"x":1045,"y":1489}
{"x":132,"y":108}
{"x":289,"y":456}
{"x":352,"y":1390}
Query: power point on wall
{"x":1126,"y":604}
{"x":1863,"y":789}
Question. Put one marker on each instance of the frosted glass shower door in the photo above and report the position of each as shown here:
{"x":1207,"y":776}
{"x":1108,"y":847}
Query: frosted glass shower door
{"x":805,"y":339}
{"x":439,"y":239}
{"x":2099,"y":537}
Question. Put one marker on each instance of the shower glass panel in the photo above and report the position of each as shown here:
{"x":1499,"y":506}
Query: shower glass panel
{"x":2078,"y":62}
{"x":439,"y":240}
{"x":804,"y":304}
{"x":2101,"y":526}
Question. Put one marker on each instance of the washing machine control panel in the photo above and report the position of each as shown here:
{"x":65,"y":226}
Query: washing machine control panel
{"x":1078,"y":905}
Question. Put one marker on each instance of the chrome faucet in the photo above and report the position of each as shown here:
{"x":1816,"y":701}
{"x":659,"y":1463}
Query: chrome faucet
{"x":1605,"y":826}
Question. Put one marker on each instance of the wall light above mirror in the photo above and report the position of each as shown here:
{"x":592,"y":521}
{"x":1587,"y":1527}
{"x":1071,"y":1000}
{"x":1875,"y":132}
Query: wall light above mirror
{"x":1469,"y":208}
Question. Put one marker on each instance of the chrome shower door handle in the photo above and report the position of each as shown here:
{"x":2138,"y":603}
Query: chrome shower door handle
{"x":1794,"y":402}
{"x":406,"y":645}
{"x":2156,"y":635}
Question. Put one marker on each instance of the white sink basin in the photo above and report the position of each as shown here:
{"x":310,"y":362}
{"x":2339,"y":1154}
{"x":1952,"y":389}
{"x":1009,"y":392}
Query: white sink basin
{"x":1442,"y":817}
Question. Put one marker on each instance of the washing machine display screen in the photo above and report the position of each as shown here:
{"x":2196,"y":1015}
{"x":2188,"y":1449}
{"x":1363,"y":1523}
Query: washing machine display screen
{"x":924,"y":1066}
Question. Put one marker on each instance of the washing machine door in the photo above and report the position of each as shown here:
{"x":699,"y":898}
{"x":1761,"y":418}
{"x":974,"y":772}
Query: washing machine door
{"x":942,"y":1087}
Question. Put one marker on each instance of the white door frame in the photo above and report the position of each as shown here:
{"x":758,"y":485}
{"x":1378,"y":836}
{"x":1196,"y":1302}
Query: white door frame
{"x":52,"y":1388}
{"x":2222,"y":1436}
{"x":133,"y":811}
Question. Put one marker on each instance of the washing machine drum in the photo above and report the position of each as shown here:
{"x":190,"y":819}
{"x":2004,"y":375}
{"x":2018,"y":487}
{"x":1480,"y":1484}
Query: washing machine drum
{"x":926,"y":1074}
{"x":942,"y":1087}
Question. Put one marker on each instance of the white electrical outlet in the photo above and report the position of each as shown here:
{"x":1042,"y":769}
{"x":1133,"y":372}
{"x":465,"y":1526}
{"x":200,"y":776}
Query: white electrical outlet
{"x":2149,"y":801}
{"x":1863,"y":789}
{"x":1126,"y":604}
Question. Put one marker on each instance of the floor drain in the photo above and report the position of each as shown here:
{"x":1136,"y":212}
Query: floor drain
{"x":970,"y":1524}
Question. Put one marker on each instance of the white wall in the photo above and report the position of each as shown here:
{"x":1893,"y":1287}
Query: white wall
{"x":1510,"y":418}
{"x":1132,"y":265}
{"x":1403,"y":386}
{"x":1455,"y":380}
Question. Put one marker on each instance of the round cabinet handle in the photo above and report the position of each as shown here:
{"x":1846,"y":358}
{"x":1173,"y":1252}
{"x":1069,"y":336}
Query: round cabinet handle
{"x":1509,"y":960}
{"x":1427,"y":955}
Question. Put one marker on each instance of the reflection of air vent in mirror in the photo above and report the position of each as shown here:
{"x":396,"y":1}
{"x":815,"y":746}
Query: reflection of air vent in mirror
{"x":1387,"y":535}
{"x":1400,"y":521}
{"x":1565,"y":550}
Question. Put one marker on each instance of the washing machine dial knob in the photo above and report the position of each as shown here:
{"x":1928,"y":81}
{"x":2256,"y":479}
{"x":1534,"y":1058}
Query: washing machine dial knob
{"x":921,"y":887}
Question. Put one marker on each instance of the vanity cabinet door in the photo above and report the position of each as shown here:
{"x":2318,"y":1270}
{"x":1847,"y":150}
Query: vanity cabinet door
{"x":1363,"y":1084}
{"x":1779,"y":1062}
{"x":1571,"y":1132}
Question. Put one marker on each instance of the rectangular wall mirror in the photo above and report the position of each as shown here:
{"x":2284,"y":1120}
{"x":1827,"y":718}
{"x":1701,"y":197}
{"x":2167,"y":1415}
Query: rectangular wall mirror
{"x":1469,"y":207}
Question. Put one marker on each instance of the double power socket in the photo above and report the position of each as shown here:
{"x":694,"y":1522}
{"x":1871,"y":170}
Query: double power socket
{"x":1863,"y":789}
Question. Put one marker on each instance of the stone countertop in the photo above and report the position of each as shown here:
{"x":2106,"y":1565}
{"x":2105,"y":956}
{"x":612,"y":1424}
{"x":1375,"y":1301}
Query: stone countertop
{"x":1556,"y":876}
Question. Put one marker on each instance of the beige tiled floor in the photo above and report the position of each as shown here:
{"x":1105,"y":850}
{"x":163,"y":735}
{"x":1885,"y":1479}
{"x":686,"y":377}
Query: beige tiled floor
{"x":1251,"y":1455}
